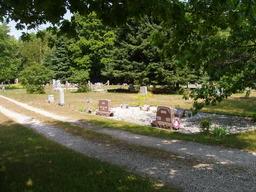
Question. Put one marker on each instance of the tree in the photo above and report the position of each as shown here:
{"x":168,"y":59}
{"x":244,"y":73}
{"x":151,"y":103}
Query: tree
{"x":57,"y":59}
{"x":34,"y":78}
{"x":196,"y":25}
{"x":136,"y":60}
{"x":81,"y":77}
{"x":9,"y":60}
{"x":36,"y":12}
{"x":90,"y":45}
{"x":34,"y":49}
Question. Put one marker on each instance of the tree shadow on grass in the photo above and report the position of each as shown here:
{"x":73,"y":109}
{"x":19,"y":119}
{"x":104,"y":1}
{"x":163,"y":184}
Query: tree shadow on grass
{"x":30,"y":162}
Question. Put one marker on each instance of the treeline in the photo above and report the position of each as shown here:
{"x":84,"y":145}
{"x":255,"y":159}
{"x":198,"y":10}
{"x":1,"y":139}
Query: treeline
{"x":125,"y":54}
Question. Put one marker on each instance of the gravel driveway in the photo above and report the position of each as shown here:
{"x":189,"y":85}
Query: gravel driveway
{"x":217,"y":169}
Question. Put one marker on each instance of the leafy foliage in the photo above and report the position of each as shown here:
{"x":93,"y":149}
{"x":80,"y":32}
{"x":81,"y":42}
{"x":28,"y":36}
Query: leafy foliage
{"x":9,"y":61}
{"x":34,"y":77}
{"x":214,"y":37}
{"x":34,"y":49}
{"x":81,"y":77}
{"x":90,"y":45}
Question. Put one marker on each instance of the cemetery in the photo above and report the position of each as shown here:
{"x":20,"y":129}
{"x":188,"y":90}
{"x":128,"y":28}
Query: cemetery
{"x":127,"y":95}
{"x":167,"y":112}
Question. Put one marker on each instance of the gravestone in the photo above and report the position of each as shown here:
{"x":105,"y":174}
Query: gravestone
{"x":62,"y":102}
{"x":51,"y":98}
{"x":58,"y":84}
{"x":143,"y":91}
{"x":67,"y":84}
{"x":54,"y":83}
{"x":104,"y":108}
{"x":164,"y":117}
{"x":16,"y":81}
{"x":131,"y":87}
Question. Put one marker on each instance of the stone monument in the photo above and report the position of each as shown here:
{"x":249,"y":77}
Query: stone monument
{"x":143,"y":90}
{"x":164,"y":117}
{"x":62,"y":102}
{"x":104,"y":108}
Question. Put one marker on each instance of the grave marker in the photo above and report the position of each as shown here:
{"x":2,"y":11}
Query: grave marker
{"x":143,"y":90}
{"x":62,"y":102}
{"x":54,"y":83}
{"x":16,"y":81}
{"x":104,"y":108}
{"x":164,"y":117}
{"x":51,"y":98}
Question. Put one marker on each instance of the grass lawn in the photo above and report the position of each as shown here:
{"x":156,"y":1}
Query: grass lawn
{"x":29,"y":162}
{"x":75,"y":102}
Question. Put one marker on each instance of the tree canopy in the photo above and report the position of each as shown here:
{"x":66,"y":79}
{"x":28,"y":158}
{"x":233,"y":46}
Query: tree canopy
{"x":9,"y":61}
{"x":215,"y":36}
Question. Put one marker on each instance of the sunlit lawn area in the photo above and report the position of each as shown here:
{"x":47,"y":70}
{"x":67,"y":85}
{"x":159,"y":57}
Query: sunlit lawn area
{"x":75,"y":102}
{"x":29,"y":162}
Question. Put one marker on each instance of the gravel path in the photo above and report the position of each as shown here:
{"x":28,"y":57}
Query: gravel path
{"x":221,"y":169}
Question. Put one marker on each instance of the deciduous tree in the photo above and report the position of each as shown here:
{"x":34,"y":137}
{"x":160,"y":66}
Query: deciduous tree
{"x":9,"y":60}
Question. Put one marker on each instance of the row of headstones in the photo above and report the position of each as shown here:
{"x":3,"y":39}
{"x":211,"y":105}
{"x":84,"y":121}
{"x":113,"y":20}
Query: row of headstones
{"x":61,"y":97}
{"x":98,"y":85}
{"x":165,"y":116}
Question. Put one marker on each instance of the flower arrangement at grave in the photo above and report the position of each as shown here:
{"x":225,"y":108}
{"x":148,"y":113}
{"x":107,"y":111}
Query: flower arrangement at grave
{"x":176,"y":123}
{"x":145,"y":107}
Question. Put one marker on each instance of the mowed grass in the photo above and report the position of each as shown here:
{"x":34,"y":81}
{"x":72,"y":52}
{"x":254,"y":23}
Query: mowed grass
{"x":29,"y":162}
{"x":75,"y":102}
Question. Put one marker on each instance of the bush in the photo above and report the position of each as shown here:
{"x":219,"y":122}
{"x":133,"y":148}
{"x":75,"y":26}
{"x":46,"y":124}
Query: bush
{"x":83,"y":88}
{"x":34,"y":77}
{"x":15,"y":86}
{"x":219,"y":132}
{"x":80,"y":77}
{"x":205,"y":125}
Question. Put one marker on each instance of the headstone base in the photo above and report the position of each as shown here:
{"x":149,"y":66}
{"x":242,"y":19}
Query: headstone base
{"x":103,"y":113}
{"x":162,"y":124}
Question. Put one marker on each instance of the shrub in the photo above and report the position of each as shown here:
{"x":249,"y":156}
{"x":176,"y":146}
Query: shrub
{"x":80,"y":77}
{"x":15,"y":86}
{"x":34,"y":77}
{"x":219,"y":132}
{"x":205,"y":125}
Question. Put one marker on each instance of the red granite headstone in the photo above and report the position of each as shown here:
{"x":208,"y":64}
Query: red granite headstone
{"x":104,"y":107}
{"x":164,"y":117}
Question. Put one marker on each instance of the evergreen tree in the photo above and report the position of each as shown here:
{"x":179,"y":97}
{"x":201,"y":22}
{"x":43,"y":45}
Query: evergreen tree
{"x":136,"y":60}
{"x":58,"y":60}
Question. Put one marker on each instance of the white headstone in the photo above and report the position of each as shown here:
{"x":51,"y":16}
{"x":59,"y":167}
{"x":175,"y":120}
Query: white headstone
{"x":54,"y":83}
{"x":51,"y":98}
{"x":58,"y":84}
{"x":143,"y":91}
{"x":16,"y":81}
{"x":62,"y":102}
